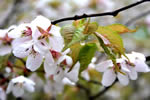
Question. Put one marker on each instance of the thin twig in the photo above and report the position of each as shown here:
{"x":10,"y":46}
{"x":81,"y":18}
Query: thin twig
{"x":137,"y":18}
{"x":102,"y":92}
{"x":113,"y":13}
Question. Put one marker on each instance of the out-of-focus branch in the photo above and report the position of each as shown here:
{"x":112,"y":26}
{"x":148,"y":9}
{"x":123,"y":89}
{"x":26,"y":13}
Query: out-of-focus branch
{"x":137,"y":18}
{"x":113,"y":13}
{"x":102,"y":92}
{"x":11,"y":13}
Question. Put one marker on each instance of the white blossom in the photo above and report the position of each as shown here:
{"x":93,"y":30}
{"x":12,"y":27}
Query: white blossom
{"x":5,"y":41}
{"x":130,"y":68}
{"x":2,"y":94}
{"x":60,"y":66}
{"x":19,"y":84}
{"x":35,"y":40}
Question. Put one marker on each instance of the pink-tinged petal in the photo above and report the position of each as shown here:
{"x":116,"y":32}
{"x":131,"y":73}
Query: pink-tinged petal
{"x":60,"y":74}
{"x":9,"y":87}
{"x":103,"y":66}
{"x":29,"y":87}
{"x":73,"y":74}
{"x":109,"y":77}
{"x":123,"y":79}
{"x":22,"y":50}
{"x":133,"y":74}
{"x":85,"y":75}
{"x":34,"y":61}
{"x":66,"y":51}
{"x":18,"y":31}
{"x":124,"y":67}
{"x":41,"y":46}
{"x":3,"y":33}
{"x":2,"y":94}
{"x":139,"y":56}
{"x":69,"y":60}
{"x":141,"y":66}
{"x":40,"y":21}
{"x":5,"y":50}
{"x":56,"y":43}
{"x":55,"y":30}
{"x":18,"y":91}
{"x":20,"y":41}
{"x":49,"y":66}
{"x":67,"y":81}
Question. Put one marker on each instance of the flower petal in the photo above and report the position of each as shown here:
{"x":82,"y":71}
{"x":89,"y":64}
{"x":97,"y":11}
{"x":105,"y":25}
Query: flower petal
{"x":56,"y":43}
{"x":18,"y":91}
{"x":59,"y":75}
{"x":103,"y":66}
{"x":10,"y":87}
{"x":123,"y":79}
{"x":133,"y":74}
{"x":22,"y":50}
{"x":73,"y":74}
{"x":34,"y":61}
{"x":29,"y":87}
{"x":141,"y":66}
{"x":109,"y":77}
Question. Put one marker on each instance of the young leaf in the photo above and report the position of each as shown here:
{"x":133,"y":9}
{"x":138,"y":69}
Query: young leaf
{"x":120,"y":29}
{"x":67,"y":32}
{"x":86,"y":54}
{"x":114,"y":38}
{"x":91,"y":28}
{"x":77,"y":37}
{"x":75,"y":49}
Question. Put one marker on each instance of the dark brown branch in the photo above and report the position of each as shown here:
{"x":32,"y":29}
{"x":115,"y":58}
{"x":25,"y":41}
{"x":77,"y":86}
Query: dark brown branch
{"x":147,"y":58}
{"x":113,"y":13}
{"x":137,"y":18}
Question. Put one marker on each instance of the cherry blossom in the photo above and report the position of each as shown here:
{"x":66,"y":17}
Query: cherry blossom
{"x":60,"y":66}
{"x":19,"y":84}
{"x":5,"y":41}
{"x":35,"y":40}
{"x":130,"y":68}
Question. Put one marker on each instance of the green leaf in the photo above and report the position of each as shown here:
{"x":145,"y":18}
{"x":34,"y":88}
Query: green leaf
{"x":120,"y":29}
{"x":75,"y":49}
{"x":86,"y":54}
{"x":114,"y":38}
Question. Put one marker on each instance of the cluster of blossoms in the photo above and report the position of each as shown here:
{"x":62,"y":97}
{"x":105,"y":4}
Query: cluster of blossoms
{"x":136,"y":63}
{"x":128,"y":67}
{"x":41,"y":44}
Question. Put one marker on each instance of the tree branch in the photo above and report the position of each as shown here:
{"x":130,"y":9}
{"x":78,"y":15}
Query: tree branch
{"x":113,"y":13}
{"x":102,"y":92}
